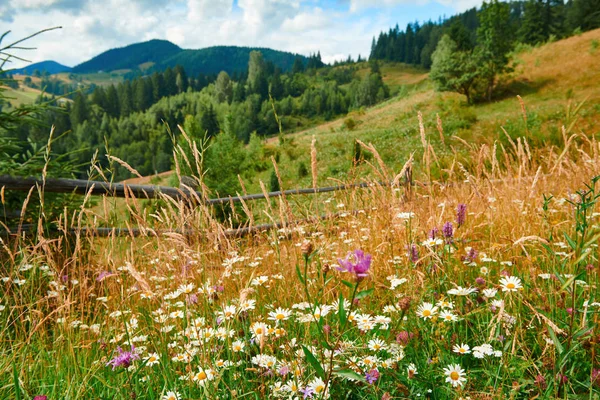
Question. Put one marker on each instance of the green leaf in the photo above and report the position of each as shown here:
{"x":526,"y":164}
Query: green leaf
{"x":557,"y":344}
{"x":300,"y":274}
{"x":349,"y":374}
{"x":350,"y":285}
{"x":16,"y":381}
{"x":312,"y":360}
{"x":364,"y":293}
{"x":342,"y":311}
{"x":570,"y":241}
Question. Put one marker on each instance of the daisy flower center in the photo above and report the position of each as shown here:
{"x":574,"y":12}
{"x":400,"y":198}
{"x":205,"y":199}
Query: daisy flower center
{"x":426,"y":313}
{"x":202,"y":375}
{"x":454,"y":375}
{"x":510,"y":285}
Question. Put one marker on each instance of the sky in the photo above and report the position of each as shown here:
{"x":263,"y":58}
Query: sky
{"x":336,"y":28}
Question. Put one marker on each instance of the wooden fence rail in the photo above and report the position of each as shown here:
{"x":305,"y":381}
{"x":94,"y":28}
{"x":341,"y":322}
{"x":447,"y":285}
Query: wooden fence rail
{"x":83,"y":187}
{"x":79,"y":186}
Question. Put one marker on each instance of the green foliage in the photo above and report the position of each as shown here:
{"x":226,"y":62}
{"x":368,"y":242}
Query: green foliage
{"x":454,"y":70}
{"x":274,"y":182}
{"x":350,"y":123}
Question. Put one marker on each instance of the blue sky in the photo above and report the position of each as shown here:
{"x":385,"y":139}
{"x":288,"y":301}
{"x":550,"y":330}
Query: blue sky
{"x":336,"y":28}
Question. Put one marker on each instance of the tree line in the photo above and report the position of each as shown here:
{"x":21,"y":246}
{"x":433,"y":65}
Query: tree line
{"x":131,"y":120}
{"x":530,"y":22}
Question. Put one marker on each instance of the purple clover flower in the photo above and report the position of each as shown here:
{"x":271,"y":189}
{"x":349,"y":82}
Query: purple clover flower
{"x":448,"y":232}
{"x":461,"y":214}
{"x":433,"y":233}
{"x":356,"y":262}
{"x":124,"y":358}
{"x":414,"y":253}
{"x":372,"y":376}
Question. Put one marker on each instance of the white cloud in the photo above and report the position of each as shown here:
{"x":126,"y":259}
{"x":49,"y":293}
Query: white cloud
{"x":457,"y":5}
{"x":203,"y":10}
{"x":305,"y":21}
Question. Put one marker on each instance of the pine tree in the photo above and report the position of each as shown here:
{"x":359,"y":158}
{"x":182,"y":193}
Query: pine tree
{"x":112,"y":101}
{"x":495,"y":42}
{"x":80,"y":111}
{"x":209,"y":121}
{"x":223,"y":88}
{"x":533,"y":29}
{"x":298,"y":66}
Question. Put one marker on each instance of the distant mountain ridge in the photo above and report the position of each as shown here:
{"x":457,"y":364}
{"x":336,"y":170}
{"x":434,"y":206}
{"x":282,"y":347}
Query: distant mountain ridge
{"x":161,"y":54}
{"x":52,"y":67}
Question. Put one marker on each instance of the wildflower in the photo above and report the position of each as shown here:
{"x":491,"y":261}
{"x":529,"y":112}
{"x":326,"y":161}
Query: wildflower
{"x":414,"y":253}
{"x":460,"y":291}
{"x":228,"y":312}
{"x":280,"y":314}
{"x":489,"y":293}
{"x":40,"y":397}
{"x":318,"y":387}
{"x":361,"y":265}
{"x":540,"y":382}
{"x":152,"y":359}
{"x":447,"y":316}
{"x":461,"y":214}
{"x":171,"y":396}
{"x":376,"y":345}
{"x":461,"y":349}
{"x":259,"y":329}
{"x":426,"y":310}
{"x":448,"y":232}
{"x":372,"y":376}
{"x":480,"y":281}
{"x":455,"y":375}
{"x":203,"y":376}
{"x":411,"y":371}
{"x":404,"y":337}
{"x":510,"y":284}
{"x":124,"y":358}
{"x":443,"y":303}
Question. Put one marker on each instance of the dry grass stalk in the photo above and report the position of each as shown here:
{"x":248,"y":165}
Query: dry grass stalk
{"x":313,"y":162}
{"x":124,"y":165}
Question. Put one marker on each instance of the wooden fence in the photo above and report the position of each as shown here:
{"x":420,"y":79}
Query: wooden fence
{"x":83,"y":187}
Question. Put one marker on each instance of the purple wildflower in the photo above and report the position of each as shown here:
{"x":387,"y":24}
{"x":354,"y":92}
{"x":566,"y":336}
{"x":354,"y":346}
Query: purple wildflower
{"x":124,"y":358}
{"x":307,"y":392}
{"x":40,"y":397}
{"x":448,"y":231}
{"x":480,"y":281}
{"x":433,"y":233}
{"x":356,"y":262}
{"x":283,"y":371}
{"x":192,"y":299}
{"x":414,"y":253}
{"x":540,"y":382}
{"x":471,"y":255}
{"x":461,"y":214}
{"x":372,"y":376}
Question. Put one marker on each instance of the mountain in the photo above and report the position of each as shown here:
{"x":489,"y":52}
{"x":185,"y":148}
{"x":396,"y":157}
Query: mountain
{"x":160,"y":54}
{"x":129,"y":57}
{"x":52,"y":67}
{"x":230,"y":59}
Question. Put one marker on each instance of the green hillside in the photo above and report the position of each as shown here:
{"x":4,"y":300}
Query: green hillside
{"x":157,"y":55}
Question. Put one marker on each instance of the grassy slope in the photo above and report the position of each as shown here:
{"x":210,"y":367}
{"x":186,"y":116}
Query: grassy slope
{"x":540,"y":79}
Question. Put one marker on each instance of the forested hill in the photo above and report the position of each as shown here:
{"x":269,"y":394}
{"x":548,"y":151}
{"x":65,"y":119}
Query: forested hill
{"x":51,"y":67}
{"x":230,"y":59}
{"x":129,"y":57}
{"x":158,"y":55}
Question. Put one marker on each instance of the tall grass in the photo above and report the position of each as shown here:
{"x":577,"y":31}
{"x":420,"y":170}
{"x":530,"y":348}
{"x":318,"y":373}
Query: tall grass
{"x":513,"y":283}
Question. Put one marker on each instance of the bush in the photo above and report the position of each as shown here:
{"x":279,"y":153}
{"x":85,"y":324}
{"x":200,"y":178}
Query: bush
{"x":350,"y":124}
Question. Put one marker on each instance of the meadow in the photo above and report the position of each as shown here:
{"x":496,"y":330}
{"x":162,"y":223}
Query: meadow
{"x":478,"y":280}
{"x":481,"y":285}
